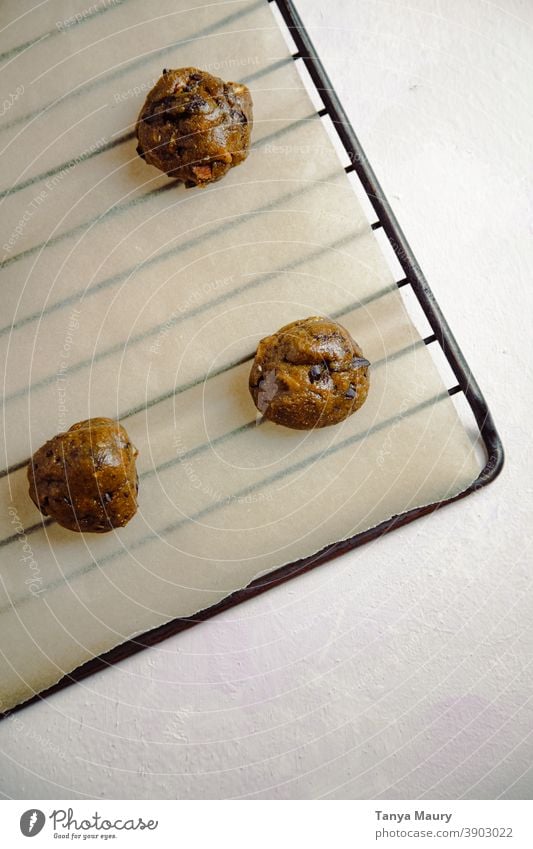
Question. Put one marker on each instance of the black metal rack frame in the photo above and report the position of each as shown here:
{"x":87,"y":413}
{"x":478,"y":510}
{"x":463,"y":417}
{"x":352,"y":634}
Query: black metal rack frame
{"x":441,"y":334}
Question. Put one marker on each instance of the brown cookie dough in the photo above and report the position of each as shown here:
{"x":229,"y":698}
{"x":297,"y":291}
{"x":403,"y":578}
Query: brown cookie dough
{"x":309,"y":374}
{"x":86,"y":478}
{"x":194,"y":126}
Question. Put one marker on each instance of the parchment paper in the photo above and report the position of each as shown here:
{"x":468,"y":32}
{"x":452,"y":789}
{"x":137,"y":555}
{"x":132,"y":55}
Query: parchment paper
{"x":126,"y":295}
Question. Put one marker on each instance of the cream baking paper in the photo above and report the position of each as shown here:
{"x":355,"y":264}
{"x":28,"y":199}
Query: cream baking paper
{"x":126,"y":295}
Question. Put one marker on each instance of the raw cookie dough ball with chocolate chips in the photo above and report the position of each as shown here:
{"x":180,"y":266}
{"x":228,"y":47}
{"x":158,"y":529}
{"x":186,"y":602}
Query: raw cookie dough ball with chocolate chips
{"x":309,"y":374}
{"x":85,"y":478}
{"x":194,"y":126}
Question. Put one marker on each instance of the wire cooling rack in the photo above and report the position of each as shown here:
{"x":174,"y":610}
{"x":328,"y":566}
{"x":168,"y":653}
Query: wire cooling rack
{"x":441,"y":338}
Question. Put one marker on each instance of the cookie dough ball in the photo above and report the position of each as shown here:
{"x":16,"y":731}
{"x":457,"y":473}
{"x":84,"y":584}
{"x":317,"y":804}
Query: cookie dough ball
{"x":86,"y":478}
{"x":309,"y":374}
{"x":194,"y":126}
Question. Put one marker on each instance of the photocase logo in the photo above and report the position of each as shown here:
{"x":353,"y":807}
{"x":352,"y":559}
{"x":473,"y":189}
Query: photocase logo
{"x":31,"y":822}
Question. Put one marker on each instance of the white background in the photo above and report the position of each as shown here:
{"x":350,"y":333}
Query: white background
{"x":402,"y":670}
{"x":304,"y":823}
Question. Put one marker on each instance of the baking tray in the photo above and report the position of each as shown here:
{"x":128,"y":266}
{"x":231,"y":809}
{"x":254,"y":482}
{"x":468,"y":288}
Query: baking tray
{"x":440,"y":336}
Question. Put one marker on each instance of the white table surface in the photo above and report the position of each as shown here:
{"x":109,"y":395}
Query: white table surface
{"x":404,"y":669}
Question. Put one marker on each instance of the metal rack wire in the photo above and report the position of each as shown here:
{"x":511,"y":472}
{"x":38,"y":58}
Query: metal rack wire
{"x":441,"y":334}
